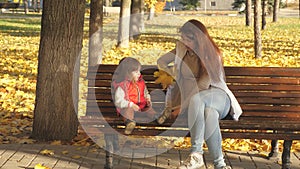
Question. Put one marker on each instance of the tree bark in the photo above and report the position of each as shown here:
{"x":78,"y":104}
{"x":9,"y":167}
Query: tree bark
{"x":142,"y":8}
{"x":56,"y":104}
{"x":136,"y":18}
{"x":151,"y":13}
{"x":124,"y":21}
{"x":275,"y":10}
{"x":248,"y":12}
{"x":264,"y":14}
{"x":95,"y":32}
{"x":26,"y":10}
{"x":257,"y":33}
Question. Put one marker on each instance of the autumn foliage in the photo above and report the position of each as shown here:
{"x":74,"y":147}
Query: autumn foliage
{"x":19,"y":39}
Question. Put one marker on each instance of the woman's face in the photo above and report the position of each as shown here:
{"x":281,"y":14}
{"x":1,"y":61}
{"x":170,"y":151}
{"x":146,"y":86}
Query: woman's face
{"x":188,"y":40}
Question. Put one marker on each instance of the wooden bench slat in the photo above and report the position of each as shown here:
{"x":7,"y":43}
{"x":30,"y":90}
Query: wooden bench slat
{"x":262,"y":71}
{"x":266,"y":80}
{"x":273,"y":94}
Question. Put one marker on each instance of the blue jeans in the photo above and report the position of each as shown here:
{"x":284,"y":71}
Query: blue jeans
{"x":206,"y":108}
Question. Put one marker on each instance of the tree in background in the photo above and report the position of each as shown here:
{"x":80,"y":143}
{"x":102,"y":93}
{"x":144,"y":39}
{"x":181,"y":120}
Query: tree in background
{"x":248,"y":12}
{"x":55,"y":113}
{"x":95,"y":32}
{"x":124,"y":21}
{"x":190,"y":4}
{"x":264,"y":14}
{"x":257,"y":33}
{"x":239,"y":4}
{"x":150,"y":4}
{"x":275,"y":10}
{"x":26,"y":9}
{"x":136,"y":18}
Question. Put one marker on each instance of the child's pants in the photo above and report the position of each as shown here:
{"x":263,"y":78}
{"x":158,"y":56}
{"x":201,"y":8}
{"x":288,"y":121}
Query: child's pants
{"x":129,"y":113}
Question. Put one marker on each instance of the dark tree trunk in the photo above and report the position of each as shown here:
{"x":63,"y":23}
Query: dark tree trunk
{"x":264,"y":14}
{"x":257,"y":34}
{"x":248,"y":13}
{"x":124,"y":21}
{"x":95,"y":32}
{"x":55,"y":113}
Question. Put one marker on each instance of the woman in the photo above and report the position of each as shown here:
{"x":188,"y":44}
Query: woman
{"x":200,"y":78}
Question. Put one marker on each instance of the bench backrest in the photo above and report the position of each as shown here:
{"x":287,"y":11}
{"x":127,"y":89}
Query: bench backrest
{"x":267,"y":95}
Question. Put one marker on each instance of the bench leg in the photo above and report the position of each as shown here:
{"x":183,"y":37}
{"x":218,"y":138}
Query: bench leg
{"x":286,"y":154}
{"x":112,"y":145}
{"x":274,"y":150}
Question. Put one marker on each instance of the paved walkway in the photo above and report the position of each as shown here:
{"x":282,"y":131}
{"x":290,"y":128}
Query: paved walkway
{"x":26,"y":156}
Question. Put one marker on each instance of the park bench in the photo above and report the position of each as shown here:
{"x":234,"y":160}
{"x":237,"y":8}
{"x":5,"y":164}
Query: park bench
{"x":9,"y":5}
{"x":269,"y":97}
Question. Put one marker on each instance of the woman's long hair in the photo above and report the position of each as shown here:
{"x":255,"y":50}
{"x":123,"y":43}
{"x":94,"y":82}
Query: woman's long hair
{"x":206,"y":49}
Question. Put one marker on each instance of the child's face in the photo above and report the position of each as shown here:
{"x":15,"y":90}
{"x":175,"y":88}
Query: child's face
{"x":136,"y":74}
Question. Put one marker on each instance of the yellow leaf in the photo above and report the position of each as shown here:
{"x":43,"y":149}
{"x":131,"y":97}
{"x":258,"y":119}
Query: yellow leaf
{"x":76,"y":156}
{"x":65,"y":152}
{"x":40,"y":166}
{"x":56,"y":142}
{"x":47,"y":152}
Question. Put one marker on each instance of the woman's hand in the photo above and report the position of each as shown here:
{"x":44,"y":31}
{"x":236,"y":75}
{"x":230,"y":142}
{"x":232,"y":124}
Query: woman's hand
{"x":175,"y":112}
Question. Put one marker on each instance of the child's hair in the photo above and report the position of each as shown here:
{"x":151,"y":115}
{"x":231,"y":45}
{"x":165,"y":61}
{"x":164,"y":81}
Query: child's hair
{"x":126,"y":66}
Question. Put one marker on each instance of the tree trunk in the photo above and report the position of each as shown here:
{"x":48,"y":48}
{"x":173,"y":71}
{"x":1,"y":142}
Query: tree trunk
{"x":124,"y":21}
{"x":56,"y":104}
{"x":107,"y":3}
{"x":95,"y":32}
{"x":26,"y":10}
{"x":275,"y":10}
{"x":38,"y":3}
{"x":151,"y":13}
{"x":142,"y":8}
{"x":264,"y":14}
{"x":257,"y":34}
{"x":135,"y":19}
{"x":248,"y":13}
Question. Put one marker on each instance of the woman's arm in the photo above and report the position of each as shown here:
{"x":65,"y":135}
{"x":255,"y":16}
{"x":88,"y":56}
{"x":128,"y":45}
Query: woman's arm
{"x":164,"y":61}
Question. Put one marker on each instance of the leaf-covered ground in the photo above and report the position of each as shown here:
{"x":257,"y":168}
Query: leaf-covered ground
{"x":19,"y":39}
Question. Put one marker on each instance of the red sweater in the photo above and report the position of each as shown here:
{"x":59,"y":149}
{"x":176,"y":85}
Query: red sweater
{"x":134,"y":92}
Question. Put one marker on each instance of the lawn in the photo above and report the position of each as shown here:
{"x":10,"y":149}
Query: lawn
{"x":19,"y":38}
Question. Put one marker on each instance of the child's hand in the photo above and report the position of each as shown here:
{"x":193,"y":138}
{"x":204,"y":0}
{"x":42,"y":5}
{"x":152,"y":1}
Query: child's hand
{"x":135,"y":107}
{"x":149,"y":103}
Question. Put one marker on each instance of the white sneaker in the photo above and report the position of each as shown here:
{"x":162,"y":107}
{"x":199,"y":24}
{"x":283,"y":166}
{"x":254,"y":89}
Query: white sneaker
{"x":194,"y":161}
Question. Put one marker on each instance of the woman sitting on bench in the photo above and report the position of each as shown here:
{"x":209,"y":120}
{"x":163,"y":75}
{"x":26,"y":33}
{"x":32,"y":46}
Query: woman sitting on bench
{"x":200,"y":78}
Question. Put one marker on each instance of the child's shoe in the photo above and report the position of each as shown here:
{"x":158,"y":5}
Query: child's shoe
{"x":165,"y":115}
{"x":130,"y":125}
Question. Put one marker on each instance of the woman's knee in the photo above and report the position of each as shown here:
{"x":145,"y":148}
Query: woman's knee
{"x":196,"y":99}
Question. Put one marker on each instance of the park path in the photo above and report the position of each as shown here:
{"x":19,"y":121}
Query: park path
{"x":26,"y":156}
